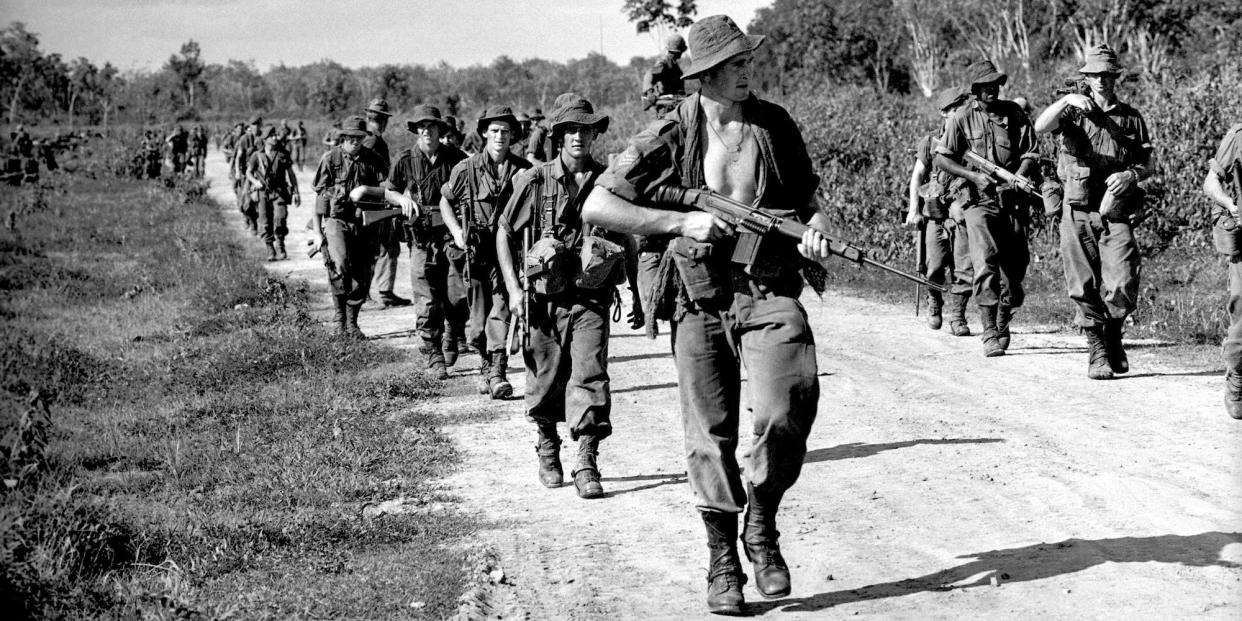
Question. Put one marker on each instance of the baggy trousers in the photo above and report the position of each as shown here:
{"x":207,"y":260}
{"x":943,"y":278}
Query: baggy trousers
{"x":770,"y":335}
{"x":998,"y":254}
{"x":1102,"y":266}
{"x":1231,"y":349}
{"x":948,"y":255}
{"x":567,"y":363}
{"x":388,"y":248}
{"x":439,"y":288}
{"x":352,"y":248}
{"x":488,"y":301}
{"x":273,"y":216}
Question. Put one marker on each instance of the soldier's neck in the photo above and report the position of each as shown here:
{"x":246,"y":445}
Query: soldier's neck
{"x":496,"y":157}
{"x":718,"y":109}
{"x":573,"y":164}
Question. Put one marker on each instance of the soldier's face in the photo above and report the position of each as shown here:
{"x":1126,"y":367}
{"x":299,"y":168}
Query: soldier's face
{"x":577,"y":139}
{"x":256,"y":129}
{"x":428,"y":137}
{"x":351,"y":144}
{"x":987,"y":93}
{"x":731,"y":80}
{"x":1103,"y":84}
{"x":498,"y":134}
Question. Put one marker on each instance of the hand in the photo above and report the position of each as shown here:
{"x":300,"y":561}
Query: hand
{"x":297,"y":199}
{"x":315,"y":245}
{"x":705,"y":227}
{"x":913,"y":219}
{"x":409,"y":208}
{"x":956,"y":214}
{"x":635,"y":316}
{"x":983,"y":182}
{"x":459,"y":239}
{"x":517,"y":310}
{"x":1118,"y":183}
{"x":814,"y":245}
{"x":1082,"y":102}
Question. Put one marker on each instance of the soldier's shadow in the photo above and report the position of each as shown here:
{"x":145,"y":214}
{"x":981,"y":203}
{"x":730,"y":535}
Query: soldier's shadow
{"x":1034,"y":562}
{"x":858,"y":449}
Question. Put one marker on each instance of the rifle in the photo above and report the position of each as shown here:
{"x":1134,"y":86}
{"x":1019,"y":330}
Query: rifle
{"x":514,"y":348}
{"x":1014,"y":179}
{"x":744,"y":216}
{"x":920,"y":259}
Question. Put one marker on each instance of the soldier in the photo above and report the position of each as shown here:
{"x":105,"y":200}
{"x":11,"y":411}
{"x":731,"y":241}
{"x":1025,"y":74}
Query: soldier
{"x":343,"y":173}
{"x":387,"y":232}
{"x":198,"y":150}
{"x":945,"y":243}
{"x":298,"y":143}
{"x":480,"y":186}
{"x":996,"y":218}
{"x":665,"y":80}
{"x":724,"y":310}
{"x":178,"y":148}
{"x":153,"y":154}
{"x":518,"y":144}
{"x":435,"y":266}
{"x":249,"y":144}
{"x":332,"y":137}
{"x":538,"y":144}
{"x":284,"y":134}
{"x":566,"y":352}
{"x":271,"y":180}
{"x":1223,"y":184}
{"x":452,"y":132}
{"x":1104,"y":151}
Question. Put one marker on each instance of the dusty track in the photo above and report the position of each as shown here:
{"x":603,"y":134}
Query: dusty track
{"x":939,"y":484}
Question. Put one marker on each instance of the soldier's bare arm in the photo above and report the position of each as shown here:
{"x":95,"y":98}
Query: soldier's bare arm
{"x":603,"y":208}
{"x":1216,"y":191}
{"x":918,"y":176}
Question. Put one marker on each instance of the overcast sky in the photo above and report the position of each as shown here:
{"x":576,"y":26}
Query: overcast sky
{"x":142,"y":34}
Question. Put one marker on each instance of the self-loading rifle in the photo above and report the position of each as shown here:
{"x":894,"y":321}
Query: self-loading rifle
{"x":990,"y":169}
{"x":743,"y":216}
{"x":519,"y":335}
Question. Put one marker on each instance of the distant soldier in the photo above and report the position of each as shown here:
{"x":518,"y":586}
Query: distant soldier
{"x":178,"y":149}
{"x":152,"y":149}
{"x":436,"y":266}
{"x":472,"y":143}
{"x":452,"y":132}
{"x":198,"y":149}
{"x":343,"y":173}
{"x":270,"y":174}
{"x":1104,"y":151}
{"x":332,"y":137}
{"x":1223,"y":184}
{"x":945,"y":243}
{"x":539,"y":142}
{"x":284,"y":134}
{"x":479,"y":187}
{"x":665,"y":84}
{"x":298,"y":143}
{"x":518,"y":146}
{"x":566,"y":353}
{"x":387,"y":232}
{"x":250,"y":143}
{"x":996,"y":218}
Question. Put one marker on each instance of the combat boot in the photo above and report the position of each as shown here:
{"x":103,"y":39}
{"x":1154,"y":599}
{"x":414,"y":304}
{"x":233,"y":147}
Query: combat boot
{"x":1003,"y":317}
{"x":1117,"y":360}
{"x":934,"y":306}
{"x":351,"y":322}
{"x":271,"y":252}
{"x":497,"y":378}
{"x":435,"y":358}
{"x":759,"y":539}
{"x":485,"y":372}
{"x":1233,"y":394}
{"x":450,"y":351}
{"x":338,"y":314}
{"x":991,"y":342}
{"x":724,"y":568}
{"x":586,"y":472}
{"x":1097,"y":354}
{"x":280,"y":249}
{"x":548,"y":448}
{"x":957,"y":315}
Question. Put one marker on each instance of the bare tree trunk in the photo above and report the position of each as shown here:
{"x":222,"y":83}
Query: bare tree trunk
{"x":17,"y":94}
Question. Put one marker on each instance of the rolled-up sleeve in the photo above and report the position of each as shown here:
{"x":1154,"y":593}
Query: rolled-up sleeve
{"x":454,"y":190}
{"x":649,"y":162}
{"x":516,"y":215}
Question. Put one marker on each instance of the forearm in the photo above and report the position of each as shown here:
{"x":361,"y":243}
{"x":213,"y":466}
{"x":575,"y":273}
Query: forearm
{"x":916,"y":181}
{"x":953,"y":167}
{"x":504,"y":257}
{"x":603,"y":208}
{"x":450,"y":219}
{"x":1050,"y":119}
{"x":1215,"y":191}
{"x":1144,"y":169}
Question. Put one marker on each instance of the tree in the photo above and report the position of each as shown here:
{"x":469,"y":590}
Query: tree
{"x":20,"y":64}
{"x":658,"y":17}
{"x":188,"y":69}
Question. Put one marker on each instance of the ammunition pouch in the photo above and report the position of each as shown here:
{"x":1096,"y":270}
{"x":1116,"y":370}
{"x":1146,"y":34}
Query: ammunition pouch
{"x":1052,"y":194}
{"x":933,"y":193}
{"x":602,"y":263}
{"x":1227,"y":236}
{"x":693,"y":268}
{"x":546,"y":266}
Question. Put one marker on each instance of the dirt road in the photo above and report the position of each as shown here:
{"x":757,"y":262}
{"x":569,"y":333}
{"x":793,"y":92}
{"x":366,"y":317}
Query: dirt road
{"x":939,"y":484}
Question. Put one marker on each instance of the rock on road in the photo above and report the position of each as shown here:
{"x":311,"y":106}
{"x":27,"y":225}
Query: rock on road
{"x":939,"y":484}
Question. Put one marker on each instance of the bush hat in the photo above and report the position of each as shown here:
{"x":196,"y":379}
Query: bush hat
{"x":1101,"y":59}
{"x":353,"y":126}
{"x":272,"y":140}
{"x":714,"y":40}
{"x":256,"y":120}
{"x":379,"y":106}
{"x":578,"y":110}
{"x":950,"y":97}
{"x":497,"y":113}
{"x":675,"y":43}
{"x":537,"y":115}
{"x":426,"y":114}
{"x":984,"y":72}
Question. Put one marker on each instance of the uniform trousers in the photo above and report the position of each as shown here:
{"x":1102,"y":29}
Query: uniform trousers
{"x":439,"y":288}
{"x":998,"y":253}
{"x":487,"y":298}
{"x":352,"y":249}
{"x":1102,"y":266}
{"x":273,"y":214}
{"x":388,"y":250}
{"x":948,"y":255}
{"x":769,"y":334}
{"x":567,"y":362}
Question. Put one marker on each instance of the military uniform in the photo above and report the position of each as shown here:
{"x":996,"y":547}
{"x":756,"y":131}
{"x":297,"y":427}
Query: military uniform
{"x":297,"y":140}
{"x":946,"y":241}
{"x":1227,"y":234}
{"x":275,"y":187}
{"x":246,"y":146}
{"x":539,"y":143}
{"x":198,"y":150}
{"x":178,"y":147}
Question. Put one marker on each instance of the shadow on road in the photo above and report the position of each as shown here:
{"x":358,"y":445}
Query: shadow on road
{"x":659,"y":480}
{"x":648,"y":356}
{"x":858,"y":449}
{"x":645,"y":387}
{"x":1035,"y":562}
{"x":1203,"y":373}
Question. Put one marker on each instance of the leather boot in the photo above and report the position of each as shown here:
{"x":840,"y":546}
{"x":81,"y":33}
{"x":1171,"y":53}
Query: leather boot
{"x":724,"y":569}
{"x":548,"y":448}
{"x":497,"y":379}
{"x":957,"y":315}
{"x":1233,"y":394}
{"x":351,"y":322}
{"x":759,"y":539}
{"x":485,"y":372}
{"x":934,"y":306}
{"x":450,"y":351}
{"x":1117,"y":360}
{"x":435,"y":358}
{"x":586,"y":472}
{"x":1003,"y":317}
{"x":280,"y":249}
{"x":991,"y":342}
{"x":271,"y":252}
{"x":1097,"y":354}
{"x":338,"y":314}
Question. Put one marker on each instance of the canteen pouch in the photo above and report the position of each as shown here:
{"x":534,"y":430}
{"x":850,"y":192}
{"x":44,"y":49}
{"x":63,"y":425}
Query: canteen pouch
{"x":691,"y":259}
{"x":602,"y":263}
{"x":545,"y":266}
{"x":932,"y":193}
{"x":1052,"y":194}
{"x":1226,"y":234}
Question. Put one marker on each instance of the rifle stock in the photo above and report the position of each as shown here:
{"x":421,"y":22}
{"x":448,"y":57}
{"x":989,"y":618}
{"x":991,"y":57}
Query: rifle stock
{"x":741,"y":215}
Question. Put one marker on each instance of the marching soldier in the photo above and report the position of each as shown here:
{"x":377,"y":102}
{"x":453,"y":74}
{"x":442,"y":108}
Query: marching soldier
{"x":726,"y":308}
{"x":1223,"y":184}
{"x":566,"y":352}
{"x":387,"y":232}
{"x":198,"y":150}
{"x":271,"y":180}
{"x":343,"y":173}
{"x":298,"y":143}
{"x":945,"y":243}
{"x":153,"y":154}
{"x":998,"y":131}
{"x":452,"y":132}
{"x":665,"y":79}
{"x":436,"y":267}
{"x":1104,"y":151}
{"x":538,"y":144}
{"x":480,"y":186}
{"x":178,"y":148}
{"x":249,"y":144}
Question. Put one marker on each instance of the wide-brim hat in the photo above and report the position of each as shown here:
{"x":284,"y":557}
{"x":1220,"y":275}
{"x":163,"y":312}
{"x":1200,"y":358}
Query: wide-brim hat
{"x":1101,"y":59}
{"x":984,"y":72}
{"x":256,"y":120}
{"x":578,"y":111}
{"x":426,"y":114}
{"x":497,"y":113}
{"x":950,"y":97}
{"x":537,"y":115}
{"x":715,"y":39}
{"x":379,"y":106}
{"x":353,"y":126}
